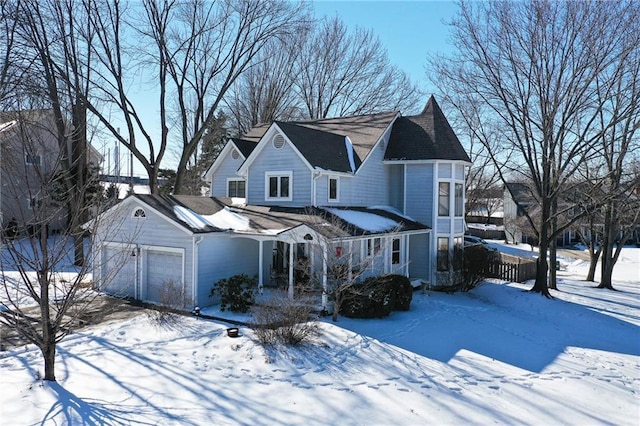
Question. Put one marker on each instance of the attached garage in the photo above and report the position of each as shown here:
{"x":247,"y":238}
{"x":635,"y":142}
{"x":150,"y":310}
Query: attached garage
{"x":118,"y":271}
{"x":164,"y":274}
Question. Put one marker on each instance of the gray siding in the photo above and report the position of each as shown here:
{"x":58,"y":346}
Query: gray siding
{"x":222,"y":257}
{"x":419,"y":197}
{"x":227,"y":169}
{"x":271,"y":159}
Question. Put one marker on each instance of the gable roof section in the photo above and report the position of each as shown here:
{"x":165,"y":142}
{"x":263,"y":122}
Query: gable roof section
{"x":324,"y":150}
{"x":364,"y":131}
{"x":427,"y":136}
{"x":322,"y":144}
{"x":521,"y":194}
{"x":245,"y":146}
{"x":166,"y":205}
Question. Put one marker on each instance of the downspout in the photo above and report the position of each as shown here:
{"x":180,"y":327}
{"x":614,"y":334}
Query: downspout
{"x":314,"y":177}
{"x":194,"y":269}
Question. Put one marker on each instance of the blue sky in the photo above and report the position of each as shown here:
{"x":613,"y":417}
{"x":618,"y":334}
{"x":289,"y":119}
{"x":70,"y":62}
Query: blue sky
{"x":410,"y":30}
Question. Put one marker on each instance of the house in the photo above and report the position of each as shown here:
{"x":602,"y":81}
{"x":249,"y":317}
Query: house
{"x":30,"y":156}
{"x":520,"y":201}
{"x":373,"y":194}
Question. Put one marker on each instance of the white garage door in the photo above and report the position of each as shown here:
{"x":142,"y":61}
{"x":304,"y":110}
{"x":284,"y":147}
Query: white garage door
{"x":118,"y":272}
{"x":164,"y":277}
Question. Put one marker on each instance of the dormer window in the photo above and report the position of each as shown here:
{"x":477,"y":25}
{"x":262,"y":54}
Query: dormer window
{"x":278,"y":141}
{"x":139,"y":213}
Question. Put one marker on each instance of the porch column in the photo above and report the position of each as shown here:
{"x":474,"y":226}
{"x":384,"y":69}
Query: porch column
{"x":350,"y":261}
{"x":260,"y":265}
{"x":325,"y":298}
{"x":291,"y":248}
{"x":387,"y":254}
{"x":406,"y":255}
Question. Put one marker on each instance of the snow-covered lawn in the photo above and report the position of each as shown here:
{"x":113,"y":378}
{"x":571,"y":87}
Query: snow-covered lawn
{"x":495,"y":355}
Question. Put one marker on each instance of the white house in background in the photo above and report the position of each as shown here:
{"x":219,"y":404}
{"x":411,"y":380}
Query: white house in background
{"x":382,"y":187}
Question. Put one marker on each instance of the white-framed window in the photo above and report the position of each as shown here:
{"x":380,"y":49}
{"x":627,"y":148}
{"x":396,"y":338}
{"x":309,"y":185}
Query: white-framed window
{"x":443,"y":198}
{"x":395,"y":251}
{"x":278,"y":186}
{"x":458,"y":199}
{"x":34,"y":203}
{"x":443,"y":254}
{"x":32,"y":159}
{"x":139,"y":213}
{"x":334,"y":188}
{"x":373,"y":246}
{"x":236,"y":188}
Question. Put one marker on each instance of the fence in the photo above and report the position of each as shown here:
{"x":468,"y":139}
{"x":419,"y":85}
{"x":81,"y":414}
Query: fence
{"x":512,"y":268}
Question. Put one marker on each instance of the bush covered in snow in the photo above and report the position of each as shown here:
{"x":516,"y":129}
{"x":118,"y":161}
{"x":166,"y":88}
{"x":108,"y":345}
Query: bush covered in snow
{"x":282,"y":320}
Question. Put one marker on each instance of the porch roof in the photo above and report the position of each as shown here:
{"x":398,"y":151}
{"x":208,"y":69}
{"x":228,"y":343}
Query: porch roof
{"x":208,"y":215}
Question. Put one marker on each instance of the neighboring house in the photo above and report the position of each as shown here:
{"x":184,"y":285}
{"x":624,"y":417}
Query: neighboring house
{"x":330,"y":192}
{"x":519,"y":201}
{"x":29,"y":156}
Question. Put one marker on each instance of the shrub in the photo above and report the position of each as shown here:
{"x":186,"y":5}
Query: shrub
{"x":376,"y":297}
{"x":373,"y":298}
{"x":236,"y":293}
{"x":281,"y":320}
{"x":403,"y":292}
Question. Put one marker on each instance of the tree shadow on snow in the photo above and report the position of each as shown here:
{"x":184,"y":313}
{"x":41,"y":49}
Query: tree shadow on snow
{"x":504,"y":323}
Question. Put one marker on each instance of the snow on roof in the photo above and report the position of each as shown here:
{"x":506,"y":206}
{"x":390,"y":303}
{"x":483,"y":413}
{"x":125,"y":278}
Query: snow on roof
{"x":392,"y":210}
{"x":364,"y":220}
{"x":228,"y":219}
{"x":190,"y":217}
{"x":8,"y":124}
{"x":349,"y":147}
{"x":123,"y":189}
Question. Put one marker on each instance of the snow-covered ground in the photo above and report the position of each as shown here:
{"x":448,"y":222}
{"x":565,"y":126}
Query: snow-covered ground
{"x":497,"y":355}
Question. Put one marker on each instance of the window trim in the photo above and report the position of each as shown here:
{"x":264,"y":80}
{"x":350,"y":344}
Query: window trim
{"x":135,"y":215}
{"x":442,"y":261}
{"x":458,"y":201}
{"x":396,"y":252}
{"x":28,"y":157}
{"x":374,"y":249}
{"x":229,"y":180}
{"x":278,"y":174}
{"x":337,"y":197}
{"x":441,"y":196}
{"x":34,"y":203}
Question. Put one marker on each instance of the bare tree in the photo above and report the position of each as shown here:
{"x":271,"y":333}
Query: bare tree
{"x":342,"y":73}
{"x":532,"y":70}
{"x":265,"y":92}
{"x":43,"y":295}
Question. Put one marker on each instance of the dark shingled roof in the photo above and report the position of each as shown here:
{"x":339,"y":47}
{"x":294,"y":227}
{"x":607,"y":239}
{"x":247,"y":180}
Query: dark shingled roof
{"x":521,"y":193}
{"x":427,"y":136}
{"x":246,"y":147}
{"x":265,"y":218}
{"x":322,"y":149}
{"x":363,"y":130}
